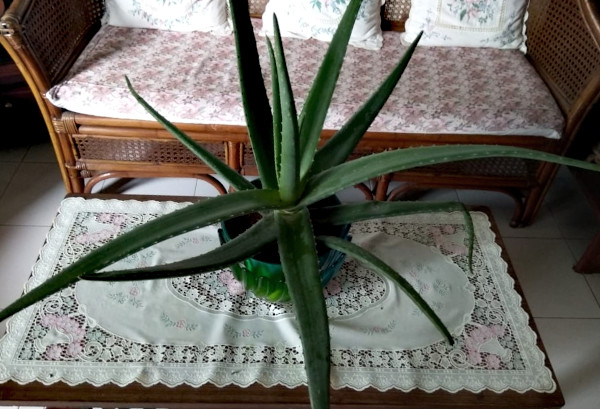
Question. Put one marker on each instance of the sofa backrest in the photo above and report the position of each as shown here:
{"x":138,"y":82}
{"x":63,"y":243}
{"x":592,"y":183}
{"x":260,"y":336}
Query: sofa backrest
{"x":395,"y":12}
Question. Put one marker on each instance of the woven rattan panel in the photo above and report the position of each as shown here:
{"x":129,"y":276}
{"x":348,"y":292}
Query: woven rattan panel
{"x":394,"y":10}
{"x":141,"y":150}
{"x":556,"y":37}
{"x":53,"y":47}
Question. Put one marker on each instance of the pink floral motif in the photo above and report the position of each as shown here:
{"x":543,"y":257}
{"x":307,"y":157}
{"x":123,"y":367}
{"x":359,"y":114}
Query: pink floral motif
{"x":493,"y":362}
{"x":67,"y":326}
{"x":234,"y":287}
{"x":444,"y":90}
{"x":442,"y":238}
{"x":475,"y":341}
{"x":74,"y":349}
{"x":102,"y":228}
{"x":332,"y":288}
{"x":53,"y":352}
{"x":180,"y":324}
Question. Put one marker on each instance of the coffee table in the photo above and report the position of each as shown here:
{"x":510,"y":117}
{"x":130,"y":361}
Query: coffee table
{"x":66,"y":353}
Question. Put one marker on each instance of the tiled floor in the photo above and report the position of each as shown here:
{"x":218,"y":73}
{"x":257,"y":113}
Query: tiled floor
{"x":566,"y":305}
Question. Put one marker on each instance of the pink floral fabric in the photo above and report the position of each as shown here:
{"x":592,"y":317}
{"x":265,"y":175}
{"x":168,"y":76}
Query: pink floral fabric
{"x":192,"y":78}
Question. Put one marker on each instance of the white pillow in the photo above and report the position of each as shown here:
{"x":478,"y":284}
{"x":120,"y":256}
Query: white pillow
{"x":319,"y":19}
{"x":467,"y":23}
{"x":176,"y":15}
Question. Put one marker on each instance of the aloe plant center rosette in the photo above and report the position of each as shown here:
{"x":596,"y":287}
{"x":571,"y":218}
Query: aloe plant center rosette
{"x":263,"y":273}
{"x":295,"y":176}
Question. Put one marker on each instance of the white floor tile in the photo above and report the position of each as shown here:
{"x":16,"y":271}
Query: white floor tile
{"x":12,"y":154}
{"x":157,"y":186}
{"x":7,"y":171}
{"x":593,"y":281}
{"x":33,"y":195}
{"x":570,"y":208}
{"x":503,"y":206}
{"x":551,"y":287}
{"x":578,"y":246}
{"x":19,"y":249}
{"x":572,"y":347}
{"x":40,"y":153}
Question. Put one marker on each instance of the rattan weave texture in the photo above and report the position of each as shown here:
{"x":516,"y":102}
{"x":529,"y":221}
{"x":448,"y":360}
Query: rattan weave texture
{"x":393,"y":10}
{"x":141,"y":150}
{"x":396,"y":10}
{"x":54,"y":48}
{"x":566,"y":52}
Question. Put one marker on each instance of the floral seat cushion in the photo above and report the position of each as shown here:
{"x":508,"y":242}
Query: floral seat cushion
{"x":192,"y":78}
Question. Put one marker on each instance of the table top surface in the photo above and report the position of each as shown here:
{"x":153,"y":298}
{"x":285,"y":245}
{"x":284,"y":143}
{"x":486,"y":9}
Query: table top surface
{"x":277,"y":396}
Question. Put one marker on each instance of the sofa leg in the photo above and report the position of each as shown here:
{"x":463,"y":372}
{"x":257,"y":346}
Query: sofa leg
{"x":365,"y":190}
{"x":75,"y":182}
{"x":517,"y":217}
{"x":126,"y":175}
{"x":382,"y":184}
{"x":535,"y":197}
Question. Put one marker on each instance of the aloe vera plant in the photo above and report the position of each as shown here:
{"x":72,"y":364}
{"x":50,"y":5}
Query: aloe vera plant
{"x":294,"y":174}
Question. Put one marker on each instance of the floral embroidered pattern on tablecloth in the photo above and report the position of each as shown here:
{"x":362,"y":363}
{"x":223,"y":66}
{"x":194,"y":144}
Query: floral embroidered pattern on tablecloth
{"x":496,"y":349}
{"x":352,"y":291}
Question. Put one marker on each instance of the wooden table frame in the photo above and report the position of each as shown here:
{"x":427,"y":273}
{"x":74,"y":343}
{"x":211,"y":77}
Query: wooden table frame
{"x":278,"y":397}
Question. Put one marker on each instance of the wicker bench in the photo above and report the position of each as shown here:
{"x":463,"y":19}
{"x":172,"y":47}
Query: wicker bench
{"x":46,"y":38}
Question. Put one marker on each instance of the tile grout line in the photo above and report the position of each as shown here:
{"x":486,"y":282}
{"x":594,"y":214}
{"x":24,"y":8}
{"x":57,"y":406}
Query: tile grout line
{"x":567,"y":241}
{"x":597,"y":298}
{"x":11,"y":179}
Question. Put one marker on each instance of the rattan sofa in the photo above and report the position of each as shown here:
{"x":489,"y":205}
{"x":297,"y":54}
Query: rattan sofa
{"x":45,"y":37}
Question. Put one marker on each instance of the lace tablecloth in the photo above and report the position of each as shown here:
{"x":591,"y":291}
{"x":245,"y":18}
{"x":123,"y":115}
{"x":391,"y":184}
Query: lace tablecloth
{"x":205,"y":328}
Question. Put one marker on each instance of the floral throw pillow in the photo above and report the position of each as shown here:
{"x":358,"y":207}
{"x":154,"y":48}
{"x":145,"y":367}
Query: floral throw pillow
{"x":319,"y":19}
{"x":467,"y":23}
{"x":175,"y":15}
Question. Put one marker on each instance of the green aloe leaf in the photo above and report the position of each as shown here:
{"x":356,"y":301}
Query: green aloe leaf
{"x":254,"y":95}
{"x":314,"y":111}
{"x":354,"y":212}
{"x":337,"y":149}
{"x":245,"y":245}
{"x":350,"y":173}
{"x":298,"y":254}
{"x":276,"y":110}
{"x":172,"y":224}
{"x":380,"y":267}
{"x":234,"y":178}
{"x":289,"y":186}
